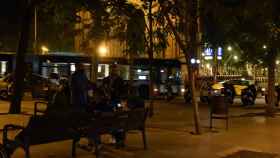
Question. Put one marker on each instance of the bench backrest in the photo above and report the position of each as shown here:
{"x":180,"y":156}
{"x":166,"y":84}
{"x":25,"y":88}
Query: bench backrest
{"x":219,"y":105}
{"x":136,"y":119}
{"x":41,"y":129}
{"x":129,"y":120}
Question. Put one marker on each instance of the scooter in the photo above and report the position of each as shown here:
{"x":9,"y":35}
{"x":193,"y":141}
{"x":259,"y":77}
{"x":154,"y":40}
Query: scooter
{"x":229,"y":94}
{"x":248,"y":97}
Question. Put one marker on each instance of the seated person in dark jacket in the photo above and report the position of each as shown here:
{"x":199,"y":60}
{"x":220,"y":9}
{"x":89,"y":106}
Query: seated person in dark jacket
{"x":113,"y":86}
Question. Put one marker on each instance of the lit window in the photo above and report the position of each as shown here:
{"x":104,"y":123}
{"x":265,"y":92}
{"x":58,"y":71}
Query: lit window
{"x":73,"y":67}
{"x":142,"y":77}
{"x":3,"y":67}
{"x":99,"y":68}
{"x":55,"y":70}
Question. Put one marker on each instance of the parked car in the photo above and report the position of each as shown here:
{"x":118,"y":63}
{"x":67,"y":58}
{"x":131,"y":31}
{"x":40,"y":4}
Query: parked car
{"x":6,"y":86}
{"x":233,"y":88}
{"x":39,"y":86}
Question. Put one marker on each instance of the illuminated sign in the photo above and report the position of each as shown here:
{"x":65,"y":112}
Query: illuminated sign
{"x":220,"y":51}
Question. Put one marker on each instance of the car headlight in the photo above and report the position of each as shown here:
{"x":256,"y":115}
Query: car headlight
{"x":183,"y":90}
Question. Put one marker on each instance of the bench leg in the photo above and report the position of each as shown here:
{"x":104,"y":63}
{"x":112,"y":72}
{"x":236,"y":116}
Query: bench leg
{"x":27,"y":152}
{"x":144,"y":138}
{"x":96,"y":150}
{"x":74,"y":147}
{"x":211,"y":122}
{"x":227,"y":124}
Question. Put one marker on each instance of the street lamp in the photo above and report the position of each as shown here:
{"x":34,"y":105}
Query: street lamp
{"x":229,"y":48}
{"x":264,"y":46}
{"x":235,"y":57}
{"x":102,"y":50}
{"x":192,"y":61}
{"x":44,"y":49}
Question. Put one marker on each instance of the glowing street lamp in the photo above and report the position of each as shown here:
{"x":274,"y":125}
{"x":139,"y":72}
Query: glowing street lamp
{"x":44,"y":49}
{"x":229,"y":48}
{"x":193,"y":61}
{"x":235,"y":57}
{"x":264,"y":46}
{"x":102,"y":50}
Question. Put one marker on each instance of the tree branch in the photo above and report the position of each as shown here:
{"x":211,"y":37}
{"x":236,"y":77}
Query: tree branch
{"x":177,"y":36}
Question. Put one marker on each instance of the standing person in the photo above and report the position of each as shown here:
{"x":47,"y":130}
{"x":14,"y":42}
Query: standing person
{"x":114,"y":86}
{"x":53,"y":85}
{"x":114,"y":90}
{"x":79,"y":87}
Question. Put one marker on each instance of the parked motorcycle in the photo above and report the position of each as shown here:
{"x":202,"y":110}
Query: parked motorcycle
{"x":248,"y":96}
{"x":188,"y":95}
{"x":228,"y":91}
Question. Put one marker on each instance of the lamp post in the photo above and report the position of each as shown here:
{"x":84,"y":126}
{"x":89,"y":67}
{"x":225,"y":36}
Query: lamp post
{"x":35,"y":44}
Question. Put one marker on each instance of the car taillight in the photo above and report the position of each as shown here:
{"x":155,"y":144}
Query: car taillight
{"x":222,"y":90}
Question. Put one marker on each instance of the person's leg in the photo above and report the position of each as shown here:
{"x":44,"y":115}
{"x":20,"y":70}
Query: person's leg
{"x":119,"y":135}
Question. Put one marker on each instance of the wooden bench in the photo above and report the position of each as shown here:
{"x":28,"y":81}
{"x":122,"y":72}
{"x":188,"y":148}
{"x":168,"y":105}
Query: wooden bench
{"x":42,"y":128}
{"x":107,"y":123}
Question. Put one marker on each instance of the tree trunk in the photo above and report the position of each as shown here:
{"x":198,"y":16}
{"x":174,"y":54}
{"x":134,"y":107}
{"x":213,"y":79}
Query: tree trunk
{"x":194,"y":49}
{"x":215,"y":66}
{"x":189,"y":52}
{"x":271,"y":82}
{"x":131,"y":74}
{"x":191,"y":76}
{"x":150,"y":52}
{"x":15,"y":106}
{"x":94,"y":66}
{"x":193,"y":33}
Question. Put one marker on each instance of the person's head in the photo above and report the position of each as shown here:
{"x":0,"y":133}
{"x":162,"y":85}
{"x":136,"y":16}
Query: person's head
{"x":80,"y":67}
{"x":114,"y":69}
{"x":54,"y":76}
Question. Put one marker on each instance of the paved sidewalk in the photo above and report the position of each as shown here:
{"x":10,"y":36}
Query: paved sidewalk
{"x":169,"y":135}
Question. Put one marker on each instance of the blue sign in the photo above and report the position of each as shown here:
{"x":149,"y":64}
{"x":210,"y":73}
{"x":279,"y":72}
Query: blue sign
{"x":208,"y":52}
{"x":220,"y":51}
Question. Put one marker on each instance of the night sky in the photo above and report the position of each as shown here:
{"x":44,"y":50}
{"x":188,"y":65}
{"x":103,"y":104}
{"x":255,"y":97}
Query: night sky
{"x":10,"y":13}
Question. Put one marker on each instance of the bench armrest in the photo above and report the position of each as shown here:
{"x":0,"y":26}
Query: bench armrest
{"x":36,"y":104}
{"x":10,"y":127}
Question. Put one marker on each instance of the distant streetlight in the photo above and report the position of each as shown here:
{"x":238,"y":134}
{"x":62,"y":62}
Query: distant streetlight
{"x":277,"y":62}
{"x":264,"y":46}
{"x":229,"y":48}
{"x":192,"y":61}
{"x":235,"y":57}
{"x":102,"y":50}
{"x":44,"y":49}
